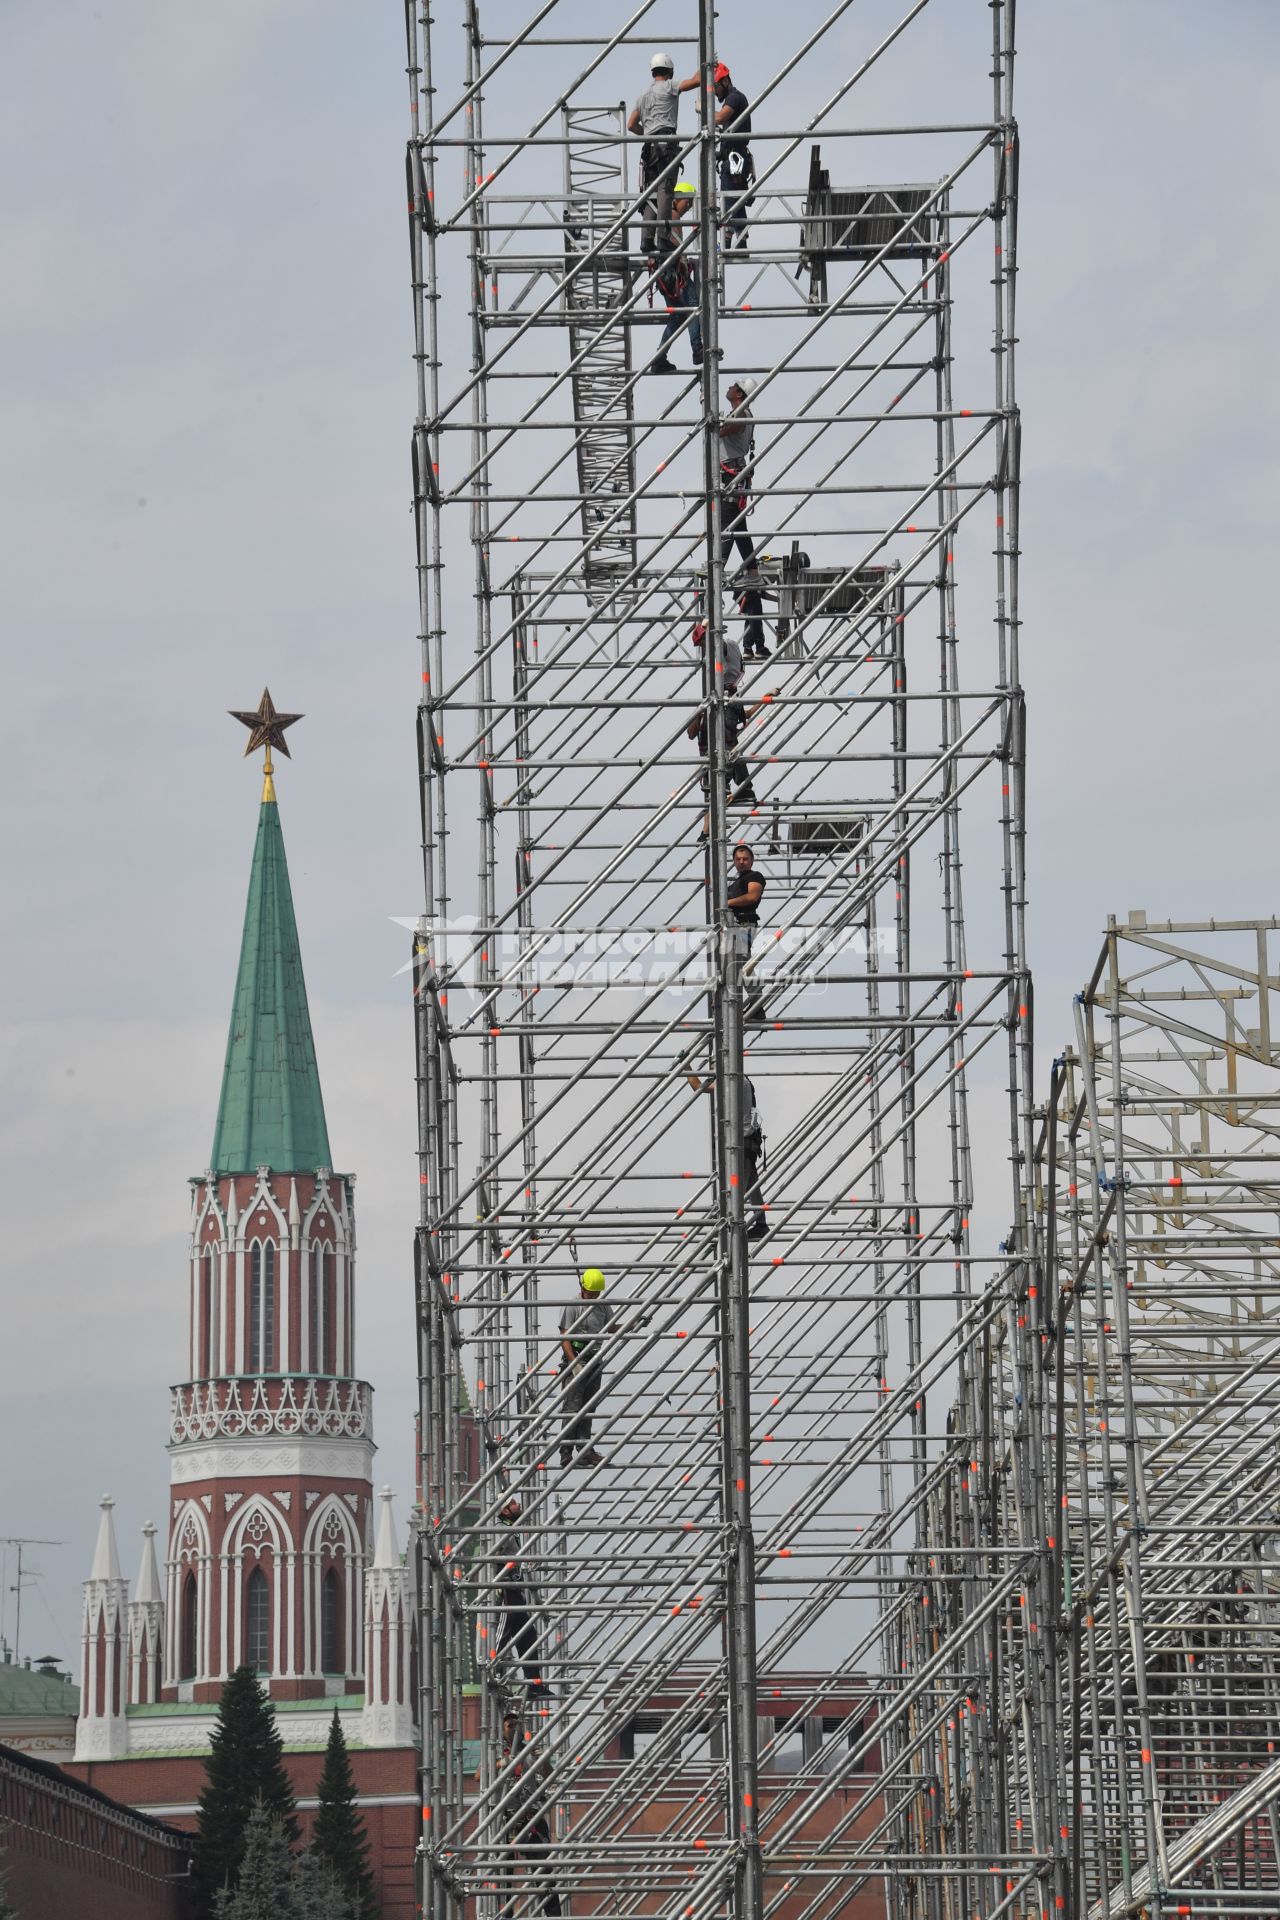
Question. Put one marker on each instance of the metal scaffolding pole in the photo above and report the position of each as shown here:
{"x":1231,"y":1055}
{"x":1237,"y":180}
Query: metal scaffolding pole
{"x":751,"y":1612}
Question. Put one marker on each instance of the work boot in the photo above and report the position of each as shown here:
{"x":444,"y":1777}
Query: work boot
{"x":758,"y":1228}
{"x":589,"y":1458}
{"x":746,"y":796}
{"x":758,"y":652}
{"x":754,"y":1015}
{"x":661,"y":365}
{"x":566,"y":1456}
{"x":697,"y":358}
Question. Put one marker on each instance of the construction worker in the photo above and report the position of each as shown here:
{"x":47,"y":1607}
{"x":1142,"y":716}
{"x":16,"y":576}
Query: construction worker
{"x":733,"y":151}
{"x":527,"y":1862}
{"x":739,"y":792}
{"x":518,"y":1634}
{"x":746,"y":888}
{"x":677,"y":280}
{"x":583,"y":1326}
{"x":737,"y":462}
{"x":732,"y":654}
{"x":751,"y":606}
{"x":654,"y":115}
{"x":753,"y":1200}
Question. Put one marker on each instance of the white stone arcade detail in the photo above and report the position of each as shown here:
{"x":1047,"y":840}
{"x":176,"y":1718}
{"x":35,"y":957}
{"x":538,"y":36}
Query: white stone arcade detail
{"x":288,"y":1404}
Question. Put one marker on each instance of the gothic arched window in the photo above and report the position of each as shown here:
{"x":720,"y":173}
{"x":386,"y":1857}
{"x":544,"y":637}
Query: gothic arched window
{"x":262,"y":1305}
{"x":331,"y":1660}
{"x":188,"y":1623}
{"x":208,"y":1330}
{"x":257,"y":1622}
{"x":322,"y":1309}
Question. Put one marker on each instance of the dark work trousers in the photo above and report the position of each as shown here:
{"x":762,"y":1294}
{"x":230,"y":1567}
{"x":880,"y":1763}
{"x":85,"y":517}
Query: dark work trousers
{"x":531,"y":1866}
{"x":733,"y":521}
{"x":582,"y":1386}
{"x":658,"y":173}
{"x":744,"y":938}
{"x":753,"y":607}
{"x":752,"y":1198}
{"x":737,"y":177}
{"x":520,"y":1636}
{"x":735,"y":719}
{"x":679,"y":289}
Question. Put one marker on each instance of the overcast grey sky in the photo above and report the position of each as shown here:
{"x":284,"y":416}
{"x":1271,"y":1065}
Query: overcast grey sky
{"x":206,"y":338}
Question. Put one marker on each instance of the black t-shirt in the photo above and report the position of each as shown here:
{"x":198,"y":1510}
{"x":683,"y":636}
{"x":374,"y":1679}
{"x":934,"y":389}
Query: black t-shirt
{"x":746,"y":916}
{"x":736,"y":100}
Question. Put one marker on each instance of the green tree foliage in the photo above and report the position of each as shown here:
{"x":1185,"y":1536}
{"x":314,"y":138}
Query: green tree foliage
{"x":245,"y":1768}
{"x":266,"y":1888}
{"x":338,"y":1836}
{"x":317,"y":1894}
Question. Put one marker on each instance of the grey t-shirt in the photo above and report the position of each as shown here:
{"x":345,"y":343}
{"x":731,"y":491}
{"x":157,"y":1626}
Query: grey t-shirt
{"x":658,"y":107}
{"x":735,"y":440}
{"x":585,"y":1322}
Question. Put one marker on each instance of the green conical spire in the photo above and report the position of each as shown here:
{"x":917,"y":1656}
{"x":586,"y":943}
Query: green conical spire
{"x":271,"y":1112}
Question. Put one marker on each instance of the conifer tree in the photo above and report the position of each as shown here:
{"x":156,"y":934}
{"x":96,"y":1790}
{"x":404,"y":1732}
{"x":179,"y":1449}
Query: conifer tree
{"x":338,"y":1835}
{"x":245,"y":1766}
{"x":266,"y":1888}
{"x":316,"y":1892}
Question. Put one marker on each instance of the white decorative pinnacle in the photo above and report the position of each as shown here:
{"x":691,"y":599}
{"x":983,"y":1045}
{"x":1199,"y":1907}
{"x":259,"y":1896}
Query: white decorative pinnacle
{"x":148,"y":1587}
{"x":385,"y":1555}
{"x":106,"y":1558}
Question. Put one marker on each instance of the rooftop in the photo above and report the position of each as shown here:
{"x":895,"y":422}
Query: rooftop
{"x":29,"y":1692}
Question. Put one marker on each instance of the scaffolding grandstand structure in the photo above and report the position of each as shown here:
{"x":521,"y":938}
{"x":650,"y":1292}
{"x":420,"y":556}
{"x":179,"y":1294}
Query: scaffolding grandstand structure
{"x":1156,"y":1168}
{"x":783,"y":1639}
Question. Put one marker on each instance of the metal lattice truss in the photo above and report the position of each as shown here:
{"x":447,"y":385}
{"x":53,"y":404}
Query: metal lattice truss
{"x":774,"y":1652}
{"x":1159,"y":1161}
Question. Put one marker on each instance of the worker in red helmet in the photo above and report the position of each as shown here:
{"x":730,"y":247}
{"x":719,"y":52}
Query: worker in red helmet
{"x":737,"y":168}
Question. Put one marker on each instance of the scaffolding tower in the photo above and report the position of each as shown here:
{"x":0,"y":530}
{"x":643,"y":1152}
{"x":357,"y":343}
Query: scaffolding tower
{"x":776,"y":1639}
{"x":1157,"y":1162}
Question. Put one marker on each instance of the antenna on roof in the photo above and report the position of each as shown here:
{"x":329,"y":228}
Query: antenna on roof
{"x":21,"y":1541}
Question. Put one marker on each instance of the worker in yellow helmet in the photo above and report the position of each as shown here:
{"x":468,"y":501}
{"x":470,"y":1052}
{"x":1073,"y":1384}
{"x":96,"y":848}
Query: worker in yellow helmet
{"x":677,"y":279}
{"x":583,"y":1326}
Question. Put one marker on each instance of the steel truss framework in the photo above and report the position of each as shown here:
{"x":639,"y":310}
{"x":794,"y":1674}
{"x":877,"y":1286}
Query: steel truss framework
{"x":782,"y":1647}
{"x":1157,"y":1165}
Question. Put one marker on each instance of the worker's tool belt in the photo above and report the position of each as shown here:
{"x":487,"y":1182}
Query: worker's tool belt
{"x":655,"y":155}
{"x":673,"y":279}
{"x":732,"y":485}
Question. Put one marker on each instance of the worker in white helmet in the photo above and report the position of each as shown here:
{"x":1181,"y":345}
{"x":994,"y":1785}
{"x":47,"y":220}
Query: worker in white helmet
{"x":583,"y":1326}
{"x":654,"y":115}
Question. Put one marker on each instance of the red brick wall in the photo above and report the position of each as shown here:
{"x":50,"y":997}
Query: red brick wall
{"x":69,"y":1857}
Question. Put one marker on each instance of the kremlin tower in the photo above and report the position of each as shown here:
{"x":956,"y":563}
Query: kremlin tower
{"x":276,"y":1554}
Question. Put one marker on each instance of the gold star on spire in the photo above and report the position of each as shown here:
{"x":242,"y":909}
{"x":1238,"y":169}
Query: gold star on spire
{"x":266,"y":729}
